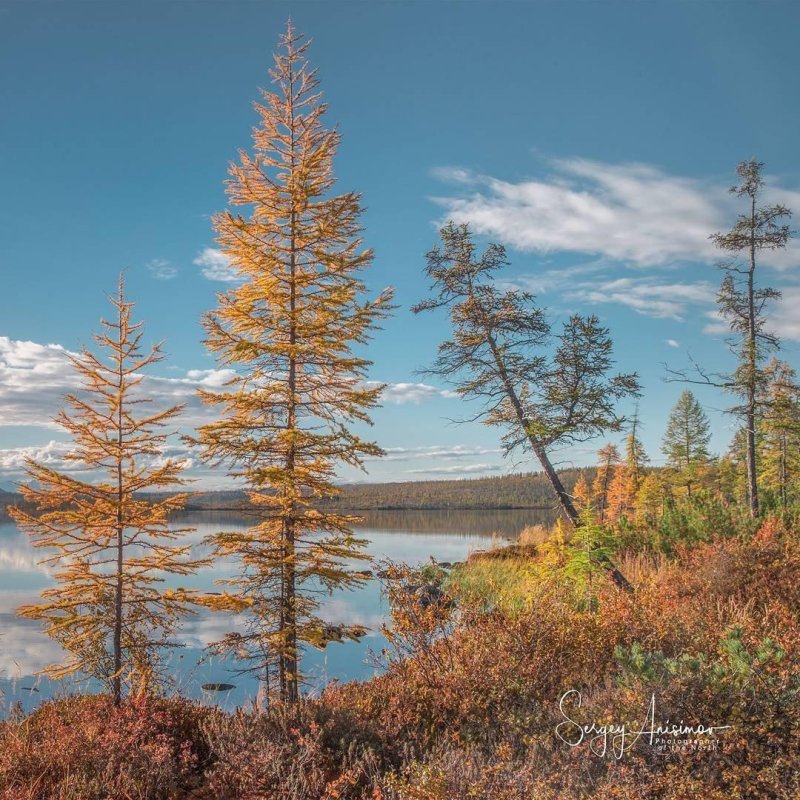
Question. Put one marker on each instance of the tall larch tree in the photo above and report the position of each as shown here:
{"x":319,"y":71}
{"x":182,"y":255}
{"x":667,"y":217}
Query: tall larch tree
{"x":686,"y":440}
{"x":543,"y":389}
{"x":636,"y":458}
{"x":742,"y":302}
{"x":290,"y":330}
{"x":110,"y":547}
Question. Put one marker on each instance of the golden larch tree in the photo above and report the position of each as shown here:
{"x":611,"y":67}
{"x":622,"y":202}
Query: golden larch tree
{"x":607,"y":466}
{"x":582,"y":495}
{"x":111,"y":546}
{"x":619,"y":499}
{"x":290,"y":330}
{"x":628,"y":478}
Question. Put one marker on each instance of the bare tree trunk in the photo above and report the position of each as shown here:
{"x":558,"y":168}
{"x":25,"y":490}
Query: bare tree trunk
{"x":752,"y":483}
{"x":117,"y":644}
{"x":117,"y":679}
{"x":289,"y":655}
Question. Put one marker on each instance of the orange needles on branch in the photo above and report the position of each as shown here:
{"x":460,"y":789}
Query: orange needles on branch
{"x":289,"y":330}
{"x":111,"y":546}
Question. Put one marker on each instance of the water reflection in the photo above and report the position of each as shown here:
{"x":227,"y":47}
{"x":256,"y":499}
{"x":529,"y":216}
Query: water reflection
{"x":410,"y":536}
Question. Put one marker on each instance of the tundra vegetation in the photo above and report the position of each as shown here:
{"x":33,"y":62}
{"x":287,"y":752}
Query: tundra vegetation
{"x":700,"y":613}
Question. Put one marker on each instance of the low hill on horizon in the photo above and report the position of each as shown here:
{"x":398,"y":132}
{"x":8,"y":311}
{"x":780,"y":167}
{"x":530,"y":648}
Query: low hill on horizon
{"x":521,"y":490}
{"x":517,"y":490}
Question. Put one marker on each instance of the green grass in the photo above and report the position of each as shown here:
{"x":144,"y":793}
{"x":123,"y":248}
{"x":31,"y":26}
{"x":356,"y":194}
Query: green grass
{"x":502,"y":584}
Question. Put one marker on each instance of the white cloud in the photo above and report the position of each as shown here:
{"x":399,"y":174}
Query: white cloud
{"x":216,"y":266}
{"x":52,"y":455}
{"x":554,"y":279}
{"x":625,"y":212}
{"x":457,"y":469}
{"x":646,"y":296}
{"x":161,"y":269}
{"x":435,"y":451}
{"x":401,"y":393}
{"x":672,"y":342}
{"x":35,"y":377}
{"x":785,"y":318}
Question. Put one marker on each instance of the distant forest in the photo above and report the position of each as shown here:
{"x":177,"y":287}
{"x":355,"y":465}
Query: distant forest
{"x":520,"y":490}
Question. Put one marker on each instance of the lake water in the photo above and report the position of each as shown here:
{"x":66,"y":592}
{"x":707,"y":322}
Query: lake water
{"x":409,"y":536}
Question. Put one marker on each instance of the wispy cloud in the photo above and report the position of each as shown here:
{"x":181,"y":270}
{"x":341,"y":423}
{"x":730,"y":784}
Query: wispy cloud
{"x":52,"y":454}
{"x":216,"y":266}
{"x":443,"y":452}
{"x":672,"y":343}
{"x":457,"y":469}
{"x":647,"y":296}
{"x":161,"y":269}
{"x":400,"y":393}
{"x":785,"y":319}
{"x":635,"y":213}
{"x":34,"y":378}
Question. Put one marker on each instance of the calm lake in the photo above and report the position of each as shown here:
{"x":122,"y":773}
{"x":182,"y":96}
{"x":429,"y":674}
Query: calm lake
{"x":410,"y":536}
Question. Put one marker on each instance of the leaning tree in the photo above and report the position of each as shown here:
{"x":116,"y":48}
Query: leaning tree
{"x":543,"y":389}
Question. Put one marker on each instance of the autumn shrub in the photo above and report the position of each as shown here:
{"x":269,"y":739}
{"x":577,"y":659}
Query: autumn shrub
{"x":702,"y":518}
{"x":489,"y":676}
{"x":83,"y":748}
{"x":534,"y":534}
{"x":306,"y":751}
{"x":468,"y":705}
{"x":491,"y":584}
{"x":712,"y":634}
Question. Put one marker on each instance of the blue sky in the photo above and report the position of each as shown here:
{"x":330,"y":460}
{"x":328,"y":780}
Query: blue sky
{"x":595,"y":139}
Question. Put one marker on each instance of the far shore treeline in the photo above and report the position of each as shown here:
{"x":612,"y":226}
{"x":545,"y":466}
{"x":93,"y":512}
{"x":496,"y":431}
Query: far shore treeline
{"x":520,"y":490}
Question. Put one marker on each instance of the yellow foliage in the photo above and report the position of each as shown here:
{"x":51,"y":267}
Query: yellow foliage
{"x":108,"y":546}
{"x":289,"y":328}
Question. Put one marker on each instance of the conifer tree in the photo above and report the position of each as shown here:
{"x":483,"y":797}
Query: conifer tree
{"x":582,"y":496}
{"x":290,"y":330}
{"x":543,"y":389}
{"x":653,"y":497}
{"x":734,"y":467}
{"x":607,"y":468}
{"x":686,"y":440}
{"x":110,"y":546}
{"x":635,"y":458}
{"x":780,"y":431}
{"x":628,"y":478}
{"x":742,"y":302}
{"x":619,"y":498}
